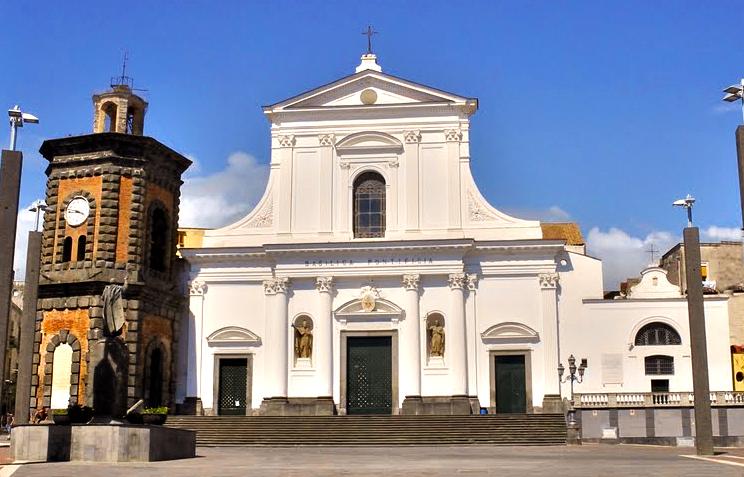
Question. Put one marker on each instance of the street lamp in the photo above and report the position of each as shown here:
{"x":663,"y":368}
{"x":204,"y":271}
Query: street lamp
{"x":572,"y":377}
{"x":735,"y":92}
{"x":17,"y":119}
{"x":687,"y":203}
{"x":698,"y":343}
{"x":38,"y":206}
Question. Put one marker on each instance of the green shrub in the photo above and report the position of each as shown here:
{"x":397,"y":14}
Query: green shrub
{"x":155,"y":410}
{"x":59,"y":412}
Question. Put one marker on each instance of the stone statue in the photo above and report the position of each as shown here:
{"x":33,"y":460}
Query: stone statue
{"x":436,"y":339}
{"x":113,"y":309}
{"x":303,"y":340}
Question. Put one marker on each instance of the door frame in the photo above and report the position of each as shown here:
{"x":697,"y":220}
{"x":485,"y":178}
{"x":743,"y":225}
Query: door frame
{"x":393,"y":334}
{"x":527,"y":375}
{"x":248,"y":381}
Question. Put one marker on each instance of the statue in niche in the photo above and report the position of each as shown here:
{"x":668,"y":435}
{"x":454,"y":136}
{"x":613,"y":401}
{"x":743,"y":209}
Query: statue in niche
{"x":303,"y":340}
{"x":436,"y":339}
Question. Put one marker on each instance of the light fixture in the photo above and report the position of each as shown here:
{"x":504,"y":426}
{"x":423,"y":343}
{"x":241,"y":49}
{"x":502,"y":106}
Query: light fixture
{"x":17,"y":119}
{"x":687,"y":203}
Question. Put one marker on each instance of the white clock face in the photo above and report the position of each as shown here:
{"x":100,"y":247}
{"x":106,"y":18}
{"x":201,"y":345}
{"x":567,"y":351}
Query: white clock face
{"x":77,"y":211}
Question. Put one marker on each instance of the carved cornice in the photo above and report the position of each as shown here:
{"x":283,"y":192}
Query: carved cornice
{"x":548,"y":280}
{"x":452,"y":135}
{"x":412,"y":137}
{"x":472,"y":280}
{"x":286,"y":141}
{"x":411,"y":281}
{"x":327,"y":139}
{"x":456,"y":281}
{"x":276,"y":285}
{"x":197,"y":288}
{"x":324,"y":284}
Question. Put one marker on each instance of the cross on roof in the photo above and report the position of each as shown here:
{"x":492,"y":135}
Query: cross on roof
{"x":369,"y":34}
{"x":652,"y":251}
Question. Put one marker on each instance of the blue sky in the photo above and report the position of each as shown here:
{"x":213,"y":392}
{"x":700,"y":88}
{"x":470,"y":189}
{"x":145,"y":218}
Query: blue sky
{"x":596,"y":112}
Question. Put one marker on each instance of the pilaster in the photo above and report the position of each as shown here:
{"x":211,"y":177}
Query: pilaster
{"x":549,"y":305}
{"x":327,"y":181}
{"x":412,"y":149}
{"x":284,"y":212}
{"x":456,"y":344}
{"x":453,"y":138}
{"x":410,"y":355}
{"x":323,"y":347}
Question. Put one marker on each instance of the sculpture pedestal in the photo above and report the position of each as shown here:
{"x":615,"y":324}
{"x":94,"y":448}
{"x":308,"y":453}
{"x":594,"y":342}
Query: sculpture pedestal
{"x":440,"y":405}
{"x":100,"y":443}
{"x":310,"y":406}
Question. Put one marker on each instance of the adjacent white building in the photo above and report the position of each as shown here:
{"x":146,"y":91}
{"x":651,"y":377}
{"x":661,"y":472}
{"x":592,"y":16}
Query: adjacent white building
{"x":373,"y":276}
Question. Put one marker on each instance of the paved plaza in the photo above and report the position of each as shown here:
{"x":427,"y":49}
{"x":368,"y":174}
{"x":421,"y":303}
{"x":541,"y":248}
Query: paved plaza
{"x":587,"y":460}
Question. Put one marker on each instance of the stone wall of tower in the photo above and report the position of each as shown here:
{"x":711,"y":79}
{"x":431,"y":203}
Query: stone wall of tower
{"x":122,"y":177}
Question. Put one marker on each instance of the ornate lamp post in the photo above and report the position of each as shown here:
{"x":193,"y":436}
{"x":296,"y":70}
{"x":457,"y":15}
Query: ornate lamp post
{"x":572,"y":377}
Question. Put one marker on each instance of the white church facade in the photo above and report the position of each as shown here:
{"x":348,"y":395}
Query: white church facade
{"x":373,"y":277}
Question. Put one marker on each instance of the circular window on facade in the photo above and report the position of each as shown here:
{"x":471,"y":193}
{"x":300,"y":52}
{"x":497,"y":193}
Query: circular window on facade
{"x":368,"y":96}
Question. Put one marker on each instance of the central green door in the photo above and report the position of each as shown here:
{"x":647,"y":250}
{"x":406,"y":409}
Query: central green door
{"x":233,"y":382}
{"x":511,"y":388}
{"x":369,"y":380}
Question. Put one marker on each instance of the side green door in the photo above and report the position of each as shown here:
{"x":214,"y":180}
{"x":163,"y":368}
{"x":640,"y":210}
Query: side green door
{"x":233,"y":382}
{"x":511,"y":388}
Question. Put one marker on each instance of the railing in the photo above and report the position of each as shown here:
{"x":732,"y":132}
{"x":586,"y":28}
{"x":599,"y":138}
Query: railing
{"x":677,"y":399}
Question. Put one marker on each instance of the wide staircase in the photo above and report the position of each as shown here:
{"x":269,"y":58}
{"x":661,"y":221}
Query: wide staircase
{"x":495,"y":430}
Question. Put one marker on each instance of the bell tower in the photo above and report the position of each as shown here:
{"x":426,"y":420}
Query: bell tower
{"x":111,"y":294}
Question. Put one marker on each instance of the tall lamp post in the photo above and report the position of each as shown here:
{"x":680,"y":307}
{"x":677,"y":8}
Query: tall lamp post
{"x":572,"y":377}
{"x":10,"y":188}
{"x":698,"y":343}
{"x":736,"y":93}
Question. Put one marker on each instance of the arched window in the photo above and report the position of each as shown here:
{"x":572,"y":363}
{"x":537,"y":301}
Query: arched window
{"x":369,"y":205}
{"x":67,"y":249}
{"x":61,"y":376}
{"x":655,"y":334}
{"x":659,"y":364}
{"x":81,"y":248}
{"x":109,"y":109}
{"x":158,"y":240}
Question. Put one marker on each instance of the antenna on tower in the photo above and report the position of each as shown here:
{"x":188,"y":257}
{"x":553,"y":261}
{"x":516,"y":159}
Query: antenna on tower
{"x":123,"y":80}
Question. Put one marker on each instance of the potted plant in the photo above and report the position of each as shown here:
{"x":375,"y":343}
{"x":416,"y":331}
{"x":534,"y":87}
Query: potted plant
{"x":155,"y":415}
{"x":60,"y":416}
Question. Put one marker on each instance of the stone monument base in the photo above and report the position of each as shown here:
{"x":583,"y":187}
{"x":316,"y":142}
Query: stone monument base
{"x":100,"y":443}
{"x":440,"y":405}
{"x":315,"y":406}
{"x":552,"y":404}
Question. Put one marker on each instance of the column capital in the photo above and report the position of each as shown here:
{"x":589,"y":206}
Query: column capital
{"x":456,"y":281}
{"x":413,"y":136}
{"x":327,"y":139}
{"x":411,"y":281}
{"x":197,"y":288}
{"x":452,"y":135}
{"x":286,"y":140}
{"x":548,"y":280}
{"x":472,"y":281}
{"x":324,"y":284}
{"x":276,"y":285}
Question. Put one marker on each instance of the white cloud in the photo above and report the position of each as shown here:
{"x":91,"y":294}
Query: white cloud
{"x":26,"y":222}
{"x":624,"y":256}
{"x":715,"y":234}
{"x":221,"y":198}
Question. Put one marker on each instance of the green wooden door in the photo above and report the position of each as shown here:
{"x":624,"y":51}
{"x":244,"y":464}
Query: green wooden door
{"x":369,"y":377}
{"x":232,"y":387}
{"x":511,"y":388}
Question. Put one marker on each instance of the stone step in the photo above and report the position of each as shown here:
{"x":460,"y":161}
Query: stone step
{"x":534,"y":429}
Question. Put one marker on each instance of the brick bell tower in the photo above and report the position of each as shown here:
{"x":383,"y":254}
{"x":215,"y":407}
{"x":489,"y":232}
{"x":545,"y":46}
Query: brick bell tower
{"x":111,"y":294}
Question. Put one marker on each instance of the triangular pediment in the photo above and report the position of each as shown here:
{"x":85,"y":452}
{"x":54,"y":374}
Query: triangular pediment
{"x":233,"y":336}
{"x":367,"y":88}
